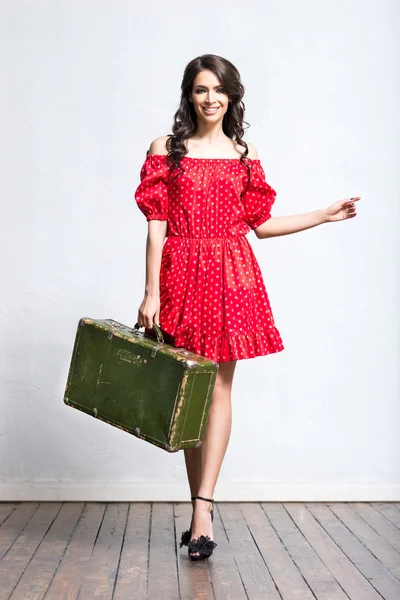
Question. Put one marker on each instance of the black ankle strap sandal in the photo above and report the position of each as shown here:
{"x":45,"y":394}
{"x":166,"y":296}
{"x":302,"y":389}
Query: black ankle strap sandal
{"x":203,"y":547}
{"x":186,"y":535}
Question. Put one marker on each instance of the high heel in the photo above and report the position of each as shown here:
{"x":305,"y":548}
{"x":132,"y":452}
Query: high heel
{"x":186,"y":535}
{"x":203,"y":545}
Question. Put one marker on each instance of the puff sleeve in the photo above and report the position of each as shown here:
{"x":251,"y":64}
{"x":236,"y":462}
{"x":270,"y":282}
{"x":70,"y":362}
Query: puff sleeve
{"x":151,"y":195}
{"x":258,"y":198}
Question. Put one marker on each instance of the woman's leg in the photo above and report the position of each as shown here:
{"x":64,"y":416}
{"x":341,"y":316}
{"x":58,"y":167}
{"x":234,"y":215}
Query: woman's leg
{"x":203,"y":464}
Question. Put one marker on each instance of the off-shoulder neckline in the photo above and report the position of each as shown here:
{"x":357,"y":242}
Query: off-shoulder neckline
{"x":195,"y":158}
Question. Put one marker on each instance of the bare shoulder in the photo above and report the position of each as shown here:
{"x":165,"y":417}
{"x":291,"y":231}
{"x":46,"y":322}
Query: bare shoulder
{"x":252,"y":151}
{"x":157,"y":146}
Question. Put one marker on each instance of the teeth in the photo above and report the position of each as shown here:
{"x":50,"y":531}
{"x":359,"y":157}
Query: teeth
{"x":211,"y":109}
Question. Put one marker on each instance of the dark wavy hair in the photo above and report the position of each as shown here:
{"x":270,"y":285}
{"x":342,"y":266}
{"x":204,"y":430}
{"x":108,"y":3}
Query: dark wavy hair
{"x":185,"y":118}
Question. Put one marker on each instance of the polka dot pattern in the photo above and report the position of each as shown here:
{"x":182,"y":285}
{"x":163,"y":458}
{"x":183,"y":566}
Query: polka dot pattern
{"x":213,"y":300}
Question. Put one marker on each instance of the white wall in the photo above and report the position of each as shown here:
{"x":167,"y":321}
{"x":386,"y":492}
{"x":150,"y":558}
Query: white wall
{"x":86,"y":87}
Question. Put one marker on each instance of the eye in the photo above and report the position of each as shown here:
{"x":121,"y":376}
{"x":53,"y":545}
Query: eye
{"x":219,"y":90}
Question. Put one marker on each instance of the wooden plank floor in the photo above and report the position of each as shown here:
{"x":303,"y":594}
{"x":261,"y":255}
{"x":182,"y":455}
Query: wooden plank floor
{"x":266,"y":550}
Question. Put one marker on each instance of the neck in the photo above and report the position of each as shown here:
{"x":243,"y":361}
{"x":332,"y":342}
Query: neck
{"x":209,"y":133}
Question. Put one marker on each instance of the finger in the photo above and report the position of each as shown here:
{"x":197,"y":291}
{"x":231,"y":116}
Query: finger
{"x":351,"y":212}
{"x":350,"y":201}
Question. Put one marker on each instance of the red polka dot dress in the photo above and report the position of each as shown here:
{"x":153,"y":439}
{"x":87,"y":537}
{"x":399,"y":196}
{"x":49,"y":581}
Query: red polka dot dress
{"x":213,"y":299}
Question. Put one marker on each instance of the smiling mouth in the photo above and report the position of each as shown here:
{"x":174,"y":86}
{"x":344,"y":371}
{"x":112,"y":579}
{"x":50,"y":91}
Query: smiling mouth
{"x":210,"y":111}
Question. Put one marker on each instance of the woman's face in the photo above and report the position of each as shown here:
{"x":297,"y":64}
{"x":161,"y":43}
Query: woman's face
{"x":208,"y":92}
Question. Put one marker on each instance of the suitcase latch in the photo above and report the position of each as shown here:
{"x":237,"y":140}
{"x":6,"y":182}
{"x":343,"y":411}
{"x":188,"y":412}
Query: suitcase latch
{"x":154,"y":351}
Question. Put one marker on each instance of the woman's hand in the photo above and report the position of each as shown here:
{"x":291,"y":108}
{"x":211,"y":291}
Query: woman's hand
{"x":343,"y":209}
{"x":149,"y":311}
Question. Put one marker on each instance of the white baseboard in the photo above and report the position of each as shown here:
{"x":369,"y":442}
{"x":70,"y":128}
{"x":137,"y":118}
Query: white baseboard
{"x":61,"y":491}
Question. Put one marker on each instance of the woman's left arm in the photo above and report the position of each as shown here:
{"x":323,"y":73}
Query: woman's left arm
{"x":339,"y":211}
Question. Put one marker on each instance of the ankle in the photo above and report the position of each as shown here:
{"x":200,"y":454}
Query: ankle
{"x":206,"y":494}
{"x":202,"y":505}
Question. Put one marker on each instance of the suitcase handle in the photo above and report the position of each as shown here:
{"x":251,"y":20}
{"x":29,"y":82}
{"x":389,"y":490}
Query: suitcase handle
{"x":160,"y":337}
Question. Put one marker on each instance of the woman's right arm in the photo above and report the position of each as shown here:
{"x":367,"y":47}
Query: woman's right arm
{"x":149,"y":310}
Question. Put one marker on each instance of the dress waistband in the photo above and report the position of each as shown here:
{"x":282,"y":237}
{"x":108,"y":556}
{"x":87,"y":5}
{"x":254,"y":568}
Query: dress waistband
{"x":189,"y":237}
{"x":206,"y":239}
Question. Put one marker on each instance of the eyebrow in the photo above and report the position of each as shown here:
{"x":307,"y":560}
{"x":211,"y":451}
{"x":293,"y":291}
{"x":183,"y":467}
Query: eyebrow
{"x":204,"y":86}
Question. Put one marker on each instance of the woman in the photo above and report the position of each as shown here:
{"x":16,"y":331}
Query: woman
{"x":204,"y":188}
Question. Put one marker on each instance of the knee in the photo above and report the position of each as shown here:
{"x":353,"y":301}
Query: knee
{"x":221,"y":397}
{"x":224,"y":378}
{"x":222,"y":390}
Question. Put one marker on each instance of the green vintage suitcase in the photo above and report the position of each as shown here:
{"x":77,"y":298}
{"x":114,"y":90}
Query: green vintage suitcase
{"x":144,"y":386}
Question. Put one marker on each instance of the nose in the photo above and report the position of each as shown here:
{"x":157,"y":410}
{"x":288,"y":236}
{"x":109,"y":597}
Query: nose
{"x":210,"y":96}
